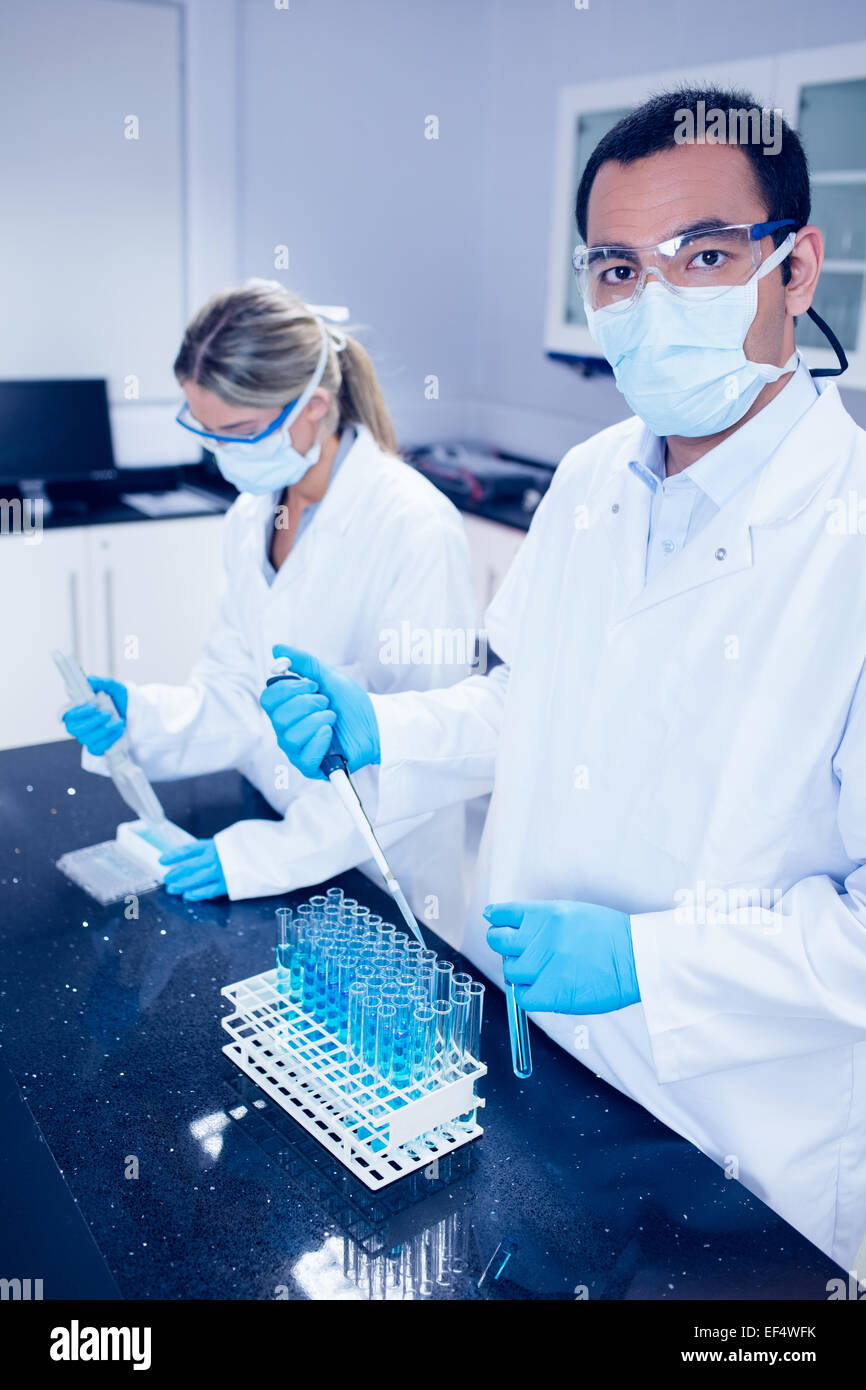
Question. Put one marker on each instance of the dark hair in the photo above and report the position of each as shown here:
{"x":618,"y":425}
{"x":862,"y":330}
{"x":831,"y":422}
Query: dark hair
{"x":782,"y":178}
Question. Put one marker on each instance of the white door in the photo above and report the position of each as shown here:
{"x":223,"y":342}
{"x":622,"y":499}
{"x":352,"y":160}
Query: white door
{"x":45,"y":603}
{"x":156,"y":588}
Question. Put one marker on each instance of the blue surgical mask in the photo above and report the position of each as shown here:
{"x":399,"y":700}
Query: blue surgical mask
{"x":273,"y":462}
{"x":678,"y":356}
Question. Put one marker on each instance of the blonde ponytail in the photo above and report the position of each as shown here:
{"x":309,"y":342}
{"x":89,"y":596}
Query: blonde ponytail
{"x":361,"y":400}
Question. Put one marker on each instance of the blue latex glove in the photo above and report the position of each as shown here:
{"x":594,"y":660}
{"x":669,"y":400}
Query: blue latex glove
{"x":198,"y":872}
{"x":304,"y":713}
{"x":95,"y":728}
{"x":564,"y":957}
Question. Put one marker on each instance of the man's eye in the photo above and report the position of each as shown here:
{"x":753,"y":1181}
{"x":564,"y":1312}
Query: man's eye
{"x":617,"y":274}
{"x":709,"y":260}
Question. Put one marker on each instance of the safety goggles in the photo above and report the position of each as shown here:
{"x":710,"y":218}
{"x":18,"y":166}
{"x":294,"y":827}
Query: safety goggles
{"x":186,"y":418}
{"x":710,"y":257}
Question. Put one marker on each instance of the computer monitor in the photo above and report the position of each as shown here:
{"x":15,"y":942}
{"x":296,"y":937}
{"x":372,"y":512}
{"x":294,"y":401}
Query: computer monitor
{"x":54,"y":431}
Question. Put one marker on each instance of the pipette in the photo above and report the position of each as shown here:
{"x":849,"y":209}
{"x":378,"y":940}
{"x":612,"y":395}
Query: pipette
{"x":127,"y":776}
{"x":336,"y":769}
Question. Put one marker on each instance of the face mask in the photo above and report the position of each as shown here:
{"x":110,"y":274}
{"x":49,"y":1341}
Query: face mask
{"x":678,"y":358}
{"x":272,"y":463}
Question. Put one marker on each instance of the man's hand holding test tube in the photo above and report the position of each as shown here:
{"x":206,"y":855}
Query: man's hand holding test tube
{"x":326,"y":726}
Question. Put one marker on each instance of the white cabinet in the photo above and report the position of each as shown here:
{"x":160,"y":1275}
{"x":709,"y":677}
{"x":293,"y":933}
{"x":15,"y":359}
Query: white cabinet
{"x":156,"y":591}
{"x":44,"y":602}
{"x":134,"y":601}
{"x":492,"y":547}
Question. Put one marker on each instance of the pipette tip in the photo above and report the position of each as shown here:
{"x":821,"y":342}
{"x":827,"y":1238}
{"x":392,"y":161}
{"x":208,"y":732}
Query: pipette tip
{"x":405,"y":910}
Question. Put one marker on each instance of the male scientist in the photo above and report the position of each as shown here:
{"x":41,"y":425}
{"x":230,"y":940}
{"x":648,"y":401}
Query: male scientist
{"x":674,"y":859}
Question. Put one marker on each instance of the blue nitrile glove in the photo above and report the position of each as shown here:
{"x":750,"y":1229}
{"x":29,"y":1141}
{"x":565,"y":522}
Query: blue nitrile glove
{"x":305,"y":712}
{"x":198,"y":872}
{"x":95,"y":728}
{"x":564,"y":957}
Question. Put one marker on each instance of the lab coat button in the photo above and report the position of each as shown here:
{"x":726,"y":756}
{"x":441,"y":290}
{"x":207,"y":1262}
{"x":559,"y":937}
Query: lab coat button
{"x":614,"y":506}
{"x":721,"y":553}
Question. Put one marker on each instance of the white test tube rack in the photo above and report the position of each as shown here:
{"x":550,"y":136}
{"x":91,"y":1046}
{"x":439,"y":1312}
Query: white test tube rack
{"x":379,"y":1131}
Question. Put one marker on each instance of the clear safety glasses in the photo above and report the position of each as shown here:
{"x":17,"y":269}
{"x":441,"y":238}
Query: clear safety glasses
{"x":186,"y":418}
{"x":710,"y":257}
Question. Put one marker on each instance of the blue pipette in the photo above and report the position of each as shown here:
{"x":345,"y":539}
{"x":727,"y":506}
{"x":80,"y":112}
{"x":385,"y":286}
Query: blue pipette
{"x":336,"y":769}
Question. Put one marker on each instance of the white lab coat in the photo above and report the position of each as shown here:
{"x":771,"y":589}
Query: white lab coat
{"x":385,"y":551}
{"x":655,"y":744}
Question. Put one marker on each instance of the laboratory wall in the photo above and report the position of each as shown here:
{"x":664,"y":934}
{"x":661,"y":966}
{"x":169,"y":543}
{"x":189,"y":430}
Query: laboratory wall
{"x":397,"y":158}
{"x":118,"y":127}
{"x":441,"y":244}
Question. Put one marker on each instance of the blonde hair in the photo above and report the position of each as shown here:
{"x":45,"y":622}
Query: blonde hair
{"x":258,"y":344}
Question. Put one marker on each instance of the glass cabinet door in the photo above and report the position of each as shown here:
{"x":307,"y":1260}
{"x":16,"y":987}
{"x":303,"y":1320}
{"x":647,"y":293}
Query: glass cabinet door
{"x":831,"y":120}
{"x":589,"y":127}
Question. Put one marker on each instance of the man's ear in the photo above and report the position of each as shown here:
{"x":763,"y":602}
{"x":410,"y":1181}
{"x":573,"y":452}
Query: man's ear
{"x":805,"y":262}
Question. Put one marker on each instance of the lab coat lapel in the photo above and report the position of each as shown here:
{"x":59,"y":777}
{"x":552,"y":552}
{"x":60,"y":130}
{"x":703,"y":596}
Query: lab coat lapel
{"x":621,"y":507}
{"x":333,"y":514}
{"x":723,"y":548}
{"x":258,"y":511}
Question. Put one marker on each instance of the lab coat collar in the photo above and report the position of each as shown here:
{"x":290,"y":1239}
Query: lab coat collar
{"x":725,"y":469}
{"x":781,"y":488}
{"x":345,"y":494}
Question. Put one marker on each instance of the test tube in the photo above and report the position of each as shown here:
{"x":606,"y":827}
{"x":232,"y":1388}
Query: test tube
{"x":518,"y":1031}
{"x":308,"y":982}
{"x":357,"y":999}
{"x":401,"y":1071}
{"x":283,"y":948}
{"x":473,"y":1030}
{"x":460,"y":981}
{"x":427,"y":982}
{"x":387,"y":932}
{"x":423,"y":1034}
{"x":332,"y":976}
{"x":443,"y":1010}
{"x":411,"y":951}
{"x":334,"y":896}
{"x":324,"y":978}
{"x":370,"y":1027}
{"x":348,"y":914}
{"x":387,"y":1016}
{"x":442,"y":972}
{"x":347,"y":968}
{"x":470,"y":1046}
{"x":300,"y":932}
{"x":457,"y":1038}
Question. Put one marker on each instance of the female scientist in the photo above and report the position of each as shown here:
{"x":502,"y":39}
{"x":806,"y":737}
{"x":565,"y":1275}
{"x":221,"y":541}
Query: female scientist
{"x":334,"y":540}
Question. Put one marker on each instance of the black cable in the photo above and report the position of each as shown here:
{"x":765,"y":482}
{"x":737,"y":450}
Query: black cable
{"x":834,"y":343}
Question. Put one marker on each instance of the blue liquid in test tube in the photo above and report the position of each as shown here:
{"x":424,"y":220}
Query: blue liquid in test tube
{"x":518,"y":1030}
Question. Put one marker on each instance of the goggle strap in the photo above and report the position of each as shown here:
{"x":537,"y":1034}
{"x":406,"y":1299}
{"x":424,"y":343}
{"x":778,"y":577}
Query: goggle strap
{"x":834,"y":343}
